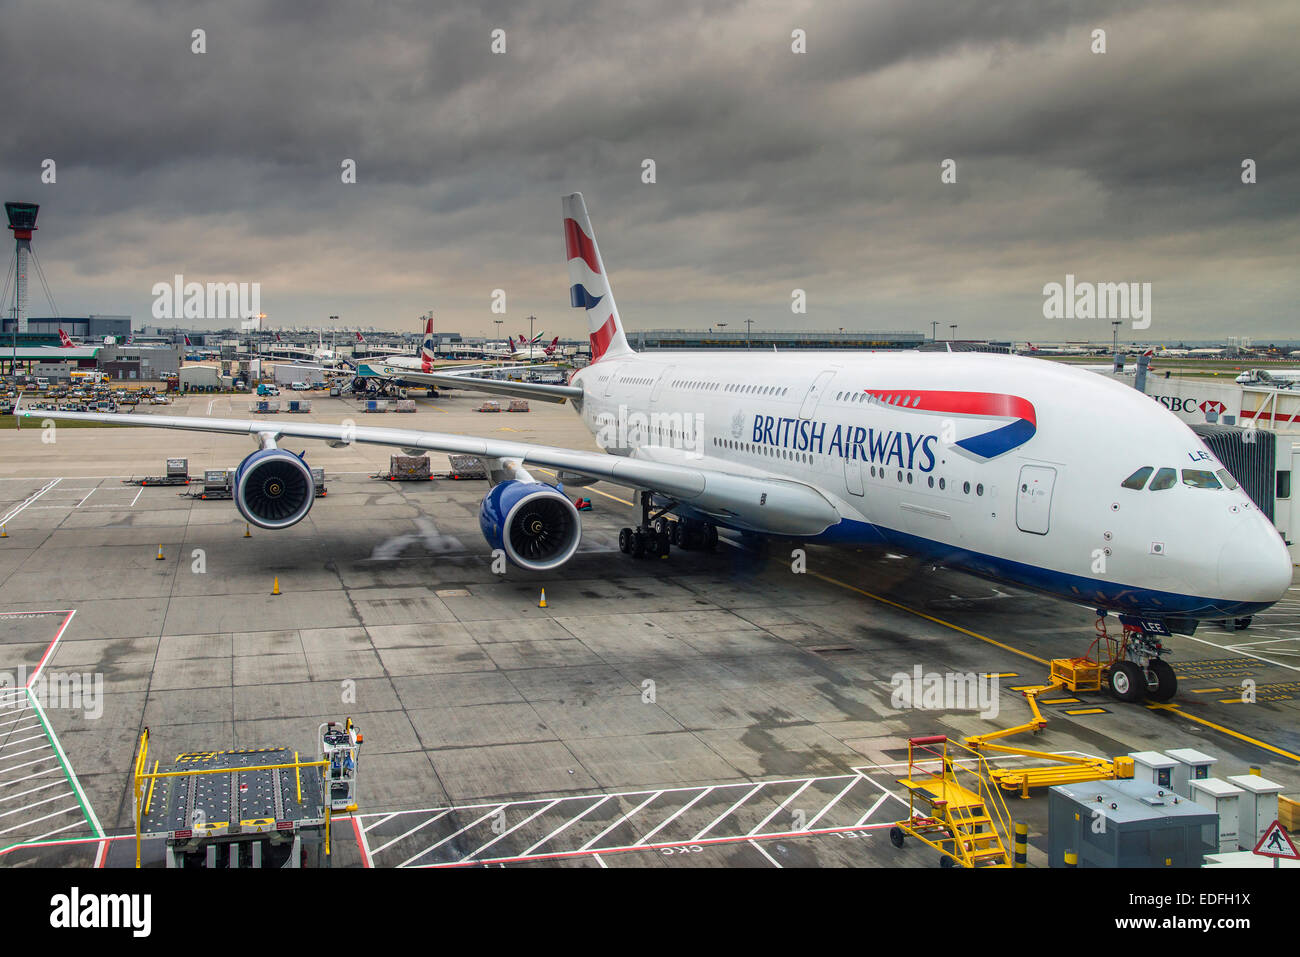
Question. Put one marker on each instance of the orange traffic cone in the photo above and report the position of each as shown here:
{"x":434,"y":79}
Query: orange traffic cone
{"x":247,"y":533}
{"x":542,"y":603}
{"x":275,"y":588}
{"x":3,"y":533}
{"x":160,"y":554}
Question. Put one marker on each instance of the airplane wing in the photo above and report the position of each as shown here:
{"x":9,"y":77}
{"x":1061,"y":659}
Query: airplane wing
{"x":773,"y":505}
{"x":464,"y":380}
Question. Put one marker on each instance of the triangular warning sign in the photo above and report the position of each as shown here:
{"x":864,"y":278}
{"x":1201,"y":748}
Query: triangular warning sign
{"x":1276,"y":842}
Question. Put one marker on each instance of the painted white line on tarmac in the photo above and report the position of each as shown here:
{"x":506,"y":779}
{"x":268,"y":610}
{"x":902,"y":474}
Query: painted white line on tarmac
{"x":426,"y":822}
{"x":678,"y":813}
{"x":1230,"y":650}
{"x":473,"y":823}
{"x":28,"y":807}
{"x":565,"y":826}
{"x":780,"y":807}
{"x":759,"y":847}
{"x":835,"y":800}
{"x":625,"y":817}
{"x":537,"y":813}
{"x":31,"y":498}
{"x":871,"y":810}
{"x":46,"y":818}
{"x":717,"y":820}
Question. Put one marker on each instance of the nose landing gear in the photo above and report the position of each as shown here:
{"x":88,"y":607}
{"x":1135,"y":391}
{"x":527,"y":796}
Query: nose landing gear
{"x":1132,"y":666}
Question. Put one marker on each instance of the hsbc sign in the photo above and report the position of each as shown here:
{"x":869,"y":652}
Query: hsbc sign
{"x":1196,"y":408}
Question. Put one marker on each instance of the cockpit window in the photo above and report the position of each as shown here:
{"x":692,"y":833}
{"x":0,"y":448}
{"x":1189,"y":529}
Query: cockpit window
{"x":1138,"y":478}
{"x":1226,"y":478}
{"x":1198,"y":478}
{"x":1164,"y":479}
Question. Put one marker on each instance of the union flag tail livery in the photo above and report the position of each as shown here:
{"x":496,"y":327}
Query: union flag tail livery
{"x":589,"y":283}
{"x":427,"y":351}
{"x":64,"y":341}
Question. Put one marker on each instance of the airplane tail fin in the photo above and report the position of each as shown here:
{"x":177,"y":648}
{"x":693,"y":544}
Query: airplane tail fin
{"x":360,"y":337}
{"x":589,"y":284}
{"x":64,"y":341}
{"x":427,"y":346}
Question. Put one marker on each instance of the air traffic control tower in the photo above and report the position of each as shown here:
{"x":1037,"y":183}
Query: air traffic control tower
{"x":22,"y":220}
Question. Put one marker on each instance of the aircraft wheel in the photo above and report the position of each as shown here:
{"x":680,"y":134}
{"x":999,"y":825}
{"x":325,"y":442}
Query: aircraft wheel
{"x":663,"y":544}
{"x":946,"y":861}
{"x":1241,"y":624}
{"x":625,"y":541}
{"x":638,"y":544}
{"x":661,"y":526}
{"x":711,"y":538}
{"x":896,"y":836}
{"x":1166,"y":680}
{"x":1127,"y":682}
{"x":675,"y":533}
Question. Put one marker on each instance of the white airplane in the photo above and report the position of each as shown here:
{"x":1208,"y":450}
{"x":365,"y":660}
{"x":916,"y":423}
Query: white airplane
{"x":325,"y":358}
{"x":1028,"y":473}
{"x":424,"y":362}
{"x":1280,"y":378}
{"x":523,"y":349}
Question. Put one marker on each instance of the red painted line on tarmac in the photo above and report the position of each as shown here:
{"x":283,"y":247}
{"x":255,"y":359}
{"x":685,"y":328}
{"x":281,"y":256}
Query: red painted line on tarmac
{"x":50,"y":650}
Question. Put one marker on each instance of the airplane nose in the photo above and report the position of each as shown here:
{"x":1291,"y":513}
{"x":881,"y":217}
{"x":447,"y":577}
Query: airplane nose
{"x":1254,"y":564}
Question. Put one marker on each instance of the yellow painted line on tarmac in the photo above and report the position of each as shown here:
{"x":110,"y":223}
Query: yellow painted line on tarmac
{"x":1207,"y":690}
{"x":1060,"y":701}
{"x":937,"y":621}
{"x":1024,"y":654}
{"x":1087,"y":711}
{"x":1228,"y":731}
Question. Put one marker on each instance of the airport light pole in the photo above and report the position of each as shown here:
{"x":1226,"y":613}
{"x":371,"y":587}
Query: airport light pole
{"x":500,"y":359}
{"x":953,"y":336}
{"x":748,"y":323}
{"x":934,"y":329}
{"x":1114,"y":343}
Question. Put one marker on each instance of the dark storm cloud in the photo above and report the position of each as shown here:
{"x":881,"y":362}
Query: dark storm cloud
{"x":775,"y":171}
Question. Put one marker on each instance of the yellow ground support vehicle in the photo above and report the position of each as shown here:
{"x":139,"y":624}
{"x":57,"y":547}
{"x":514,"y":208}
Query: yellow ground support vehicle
{"x":951,"y":807}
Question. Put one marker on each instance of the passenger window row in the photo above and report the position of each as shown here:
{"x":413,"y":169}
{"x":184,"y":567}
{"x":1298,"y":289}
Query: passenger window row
{"x":930,"y":481}
{"x":767,"y":450}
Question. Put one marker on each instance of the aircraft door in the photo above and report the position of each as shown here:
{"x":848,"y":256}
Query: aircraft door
{"x":659,"y":384}
{"x":853,"y":475}
{"x":609,"y":383}
{"x":814,"y":394}
{"x":1034,"y":499}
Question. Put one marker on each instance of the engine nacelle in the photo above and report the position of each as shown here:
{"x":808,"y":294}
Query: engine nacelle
{"x":534,"y":523}
{"x":273,"y":488}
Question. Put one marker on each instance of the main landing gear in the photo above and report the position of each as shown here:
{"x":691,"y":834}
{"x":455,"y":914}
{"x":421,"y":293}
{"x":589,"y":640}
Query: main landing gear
{"x":655,"y":536}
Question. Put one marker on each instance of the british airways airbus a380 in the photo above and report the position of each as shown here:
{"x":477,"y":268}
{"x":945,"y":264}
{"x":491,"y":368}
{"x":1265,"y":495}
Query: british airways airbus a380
{"x":1013,"y":469}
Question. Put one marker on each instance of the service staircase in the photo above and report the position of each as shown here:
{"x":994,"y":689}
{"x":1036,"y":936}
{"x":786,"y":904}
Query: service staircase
{"x":952,"y":805}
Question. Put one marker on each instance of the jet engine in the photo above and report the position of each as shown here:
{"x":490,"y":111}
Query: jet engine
{"x":534,"y":523}
{"x":273,"y":488}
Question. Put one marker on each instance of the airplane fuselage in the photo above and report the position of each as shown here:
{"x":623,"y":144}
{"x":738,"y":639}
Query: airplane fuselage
{"x":1006,"y":467}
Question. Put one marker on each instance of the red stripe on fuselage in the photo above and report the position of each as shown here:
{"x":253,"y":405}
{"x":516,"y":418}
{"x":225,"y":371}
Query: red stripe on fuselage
{"x":578,"y":244}
{"x":958,"y":403}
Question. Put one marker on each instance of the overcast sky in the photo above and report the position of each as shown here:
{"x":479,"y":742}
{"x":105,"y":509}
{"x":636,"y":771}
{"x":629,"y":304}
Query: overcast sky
{"x":775,"y":170}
